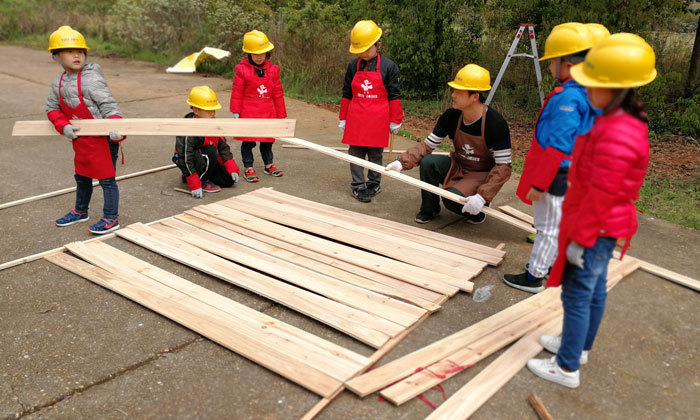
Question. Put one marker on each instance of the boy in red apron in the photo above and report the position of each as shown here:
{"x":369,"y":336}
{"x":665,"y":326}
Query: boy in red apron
{"x":81,"y":92}
{"x":370,"y":107}
{"x":257,"y":93}
{"x":480,"y":164}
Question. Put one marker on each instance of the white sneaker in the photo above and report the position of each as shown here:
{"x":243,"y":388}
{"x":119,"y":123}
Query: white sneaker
{"x":552,"y":343}
{"x":549,"y":370}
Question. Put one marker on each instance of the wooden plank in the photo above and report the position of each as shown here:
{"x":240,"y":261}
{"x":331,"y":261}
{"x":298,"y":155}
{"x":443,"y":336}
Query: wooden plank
{"x":211,"y":323}
{"x":398,"y":269}
{"x":395,"y":370}
{"x":194,"y":224}
{"x":664,"y":273}
{"x":397,"y":312}
{"x":471,"y":249}
{"x":428,"y":295}
{"x":408,"y":180}
{"x":345,"y":149}
{"x":348,"y":320}
{"x":517,"y":214}
{"x":476,"y":392}
{"x":238,"y":127}
{"x":539,"y":407}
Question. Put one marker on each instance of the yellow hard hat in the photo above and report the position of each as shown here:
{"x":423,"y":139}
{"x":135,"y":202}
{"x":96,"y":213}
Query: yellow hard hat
{"x":598,"y":31}
{"x":256,"y":42}
{"x":66,"y":37}
{"x":204,"y":98}
{"x":621,"y":61}
{"x":566,"y":39}
{"x":472,"y":77}
{"x":364,"y":34}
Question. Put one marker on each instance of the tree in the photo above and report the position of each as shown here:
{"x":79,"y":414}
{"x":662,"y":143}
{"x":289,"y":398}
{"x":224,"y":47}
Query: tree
{"x":694,"y":69}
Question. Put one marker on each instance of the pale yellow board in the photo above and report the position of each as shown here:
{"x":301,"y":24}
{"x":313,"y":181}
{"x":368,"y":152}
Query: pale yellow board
{"x":517,"y":214}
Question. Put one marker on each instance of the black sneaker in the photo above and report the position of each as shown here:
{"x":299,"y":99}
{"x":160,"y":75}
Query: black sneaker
{"x":476,"y":219}
{"x":521,"y":282}
{"x":425,"y":217}
{"x":373,"y":189}
{"x":362,"y":195}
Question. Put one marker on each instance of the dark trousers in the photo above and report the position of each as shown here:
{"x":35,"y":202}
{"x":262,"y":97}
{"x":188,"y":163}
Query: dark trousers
{"x":433,"y":170}
{"x":247,"y":153}
{"x":214,"y":171}
{"x":83,"y":191}
{"x":372,"y":154}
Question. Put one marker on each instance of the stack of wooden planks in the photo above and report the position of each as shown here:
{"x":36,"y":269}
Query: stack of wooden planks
{"x":301,"y":254}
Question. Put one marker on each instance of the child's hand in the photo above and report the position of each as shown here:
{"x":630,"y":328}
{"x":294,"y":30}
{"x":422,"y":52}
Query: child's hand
{"x":115,"y":136}
{"x":394,"y":128}
{"x":234,"y":176}
{"x":341,"y":125}
{"x":69,"y":131}
{"x":197,"y":193}
{"x":235,"y":115}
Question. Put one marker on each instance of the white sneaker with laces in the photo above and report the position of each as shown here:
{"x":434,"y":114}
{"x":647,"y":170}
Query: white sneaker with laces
{"x":549,"y":370}
{"x":552,"y":343}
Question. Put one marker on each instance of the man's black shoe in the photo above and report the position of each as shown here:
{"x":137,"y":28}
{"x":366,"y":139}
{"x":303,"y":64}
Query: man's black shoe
{"x":425,"y":217}
{"x":362,"y":195}
{"x":522,"y":282}
{"x":476,"y":219}
{"x":373,"y":189}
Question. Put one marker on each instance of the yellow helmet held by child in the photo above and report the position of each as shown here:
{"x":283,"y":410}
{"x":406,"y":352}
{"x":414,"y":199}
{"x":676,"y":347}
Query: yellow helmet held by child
{"x":364,"y":34}
{"x":204,"y":98}
{"x":66,"y":37}
{"x":472,"y":77}
{"x":566,"y":39}
{"x":598,"y":31}
{"x":256,"y":42}
{"x":621,"y":61}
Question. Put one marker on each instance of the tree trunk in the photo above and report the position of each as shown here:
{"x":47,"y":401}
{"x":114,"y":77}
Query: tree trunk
{"x":690,"y":83}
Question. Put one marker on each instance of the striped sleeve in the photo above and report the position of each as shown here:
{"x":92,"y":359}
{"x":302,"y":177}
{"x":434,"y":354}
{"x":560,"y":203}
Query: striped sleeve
{"x":433,"y":140}
{"x":502,"y":157}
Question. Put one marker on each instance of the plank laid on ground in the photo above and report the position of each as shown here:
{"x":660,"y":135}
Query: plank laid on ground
{"x":350,"y":232}
{"x":382,"y":306}
{"x":193,"y":217}
{"x":664,"y":273}
{"x":539,"y":407}
{"x":481,"y":252}
{"x":398,"y":269}
{"x":193,"y":225}
{"x":241,"y":127}
{"x":517,"y":214}
{"x":178,"y":307}
{"x":351,"y":321}
{"x":345,"y":149}
{"x":409,"y":180}
{"x":395,"y":370}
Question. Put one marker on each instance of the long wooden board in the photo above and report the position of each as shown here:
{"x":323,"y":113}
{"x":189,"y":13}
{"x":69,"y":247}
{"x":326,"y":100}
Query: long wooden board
{"x":517,"y":214}
{"x":241,"y":127}
{"x":345,"y":149}
{"x":664,"y":273}
{"x":408,"y":180}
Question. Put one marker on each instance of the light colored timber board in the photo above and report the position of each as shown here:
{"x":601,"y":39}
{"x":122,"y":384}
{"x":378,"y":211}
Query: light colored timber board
{"x":398,"y":269}
{"x":345,"y":149}
{"x":517,"y":214}
{"x":241,"y":127}
{"x":412,"y":252}
{"x":210,"y":323}
{"x":348,"y":320}
{"x":194,"y":218}
{"x":190,"y":224}
{"x":471,"y":249}
{"x":664,"y":273}
{"x":398,"y":369}
{"x":408,"y":180}
{"x":397,"y":312}
{"x":476,"y":392}
{"x":419,"y":261}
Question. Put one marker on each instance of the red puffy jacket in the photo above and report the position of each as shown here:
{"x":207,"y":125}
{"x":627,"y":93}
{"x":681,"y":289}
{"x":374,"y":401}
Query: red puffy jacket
{"x":253,"y":96}
{"x":607,"y":171}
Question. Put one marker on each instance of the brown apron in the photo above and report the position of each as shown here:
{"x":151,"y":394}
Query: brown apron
{"x":471,"y":161}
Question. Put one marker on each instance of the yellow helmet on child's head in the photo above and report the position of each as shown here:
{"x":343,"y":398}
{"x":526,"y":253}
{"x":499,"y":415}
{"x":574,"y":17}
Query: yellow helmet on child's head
{"x":66,"y":37}
{"x":566,"y":39}
{"x":204,"y":98}
{"x":472,"y":77}
{"x":598,"y":31}
{"x":364,"y":34}
{"x":619,"y":62}
{"x":256,"y":42}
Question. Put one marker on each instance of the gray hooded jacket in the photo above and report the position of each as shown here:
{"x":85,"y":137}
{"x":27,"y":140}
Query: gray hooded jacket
{"x":96,"y":93}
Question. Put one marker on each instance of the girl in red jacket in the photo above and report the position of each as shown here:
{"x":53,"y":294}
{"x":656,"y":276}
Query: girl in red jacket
{"x":257,"y":93}
{"x":607,"y":171}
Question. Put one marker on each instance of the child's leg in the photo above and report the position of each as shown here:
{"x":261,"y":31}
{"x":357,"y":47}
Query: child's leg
{"x":111,"y":196}
{"x":114,"y":152}
{"x":374,"y":155}
{"x":247,"y":153}
{"x":266,"y":153}
{"x":547,"y":215}
{"x":356,"y":171}
{"x":83,"y":193}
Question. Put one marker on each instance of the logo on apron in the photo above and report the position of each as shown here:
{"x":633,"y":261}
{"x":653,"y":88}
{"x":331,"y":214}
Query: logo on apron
{"x":366,"y":87}
{"x":262,"y":90}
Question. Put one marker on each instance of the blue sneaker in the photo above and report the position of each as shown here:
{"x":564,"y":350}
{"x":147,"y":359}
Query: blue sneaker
{"x":104,"y":226}
{"x":72,"y":218}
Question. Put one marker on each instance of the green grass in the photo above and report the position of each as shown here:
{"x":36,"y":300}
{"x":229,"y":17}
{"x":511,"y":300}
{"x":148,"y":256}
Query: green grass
{"x":676,"y":201}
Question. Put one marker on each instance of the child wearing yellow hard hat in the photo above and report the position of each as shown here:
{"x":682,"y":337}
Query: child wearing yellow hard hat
{"x":81,"y":92}
{"x":206,"y":162}
{"x":607,"y":172}
{"x":257,"y":93}
{"x":370,"y":107}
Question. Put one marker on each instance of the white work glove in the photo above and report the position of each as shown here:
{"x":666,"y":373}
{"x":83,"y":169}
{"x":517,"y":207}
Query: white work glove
{"x":197,"y":193}
{"x":236,"y":115}
{"x":341,"y":125}
{"x":574,"y":254}
{"x":115,"y":136}
{"x":69,"y":131}
{"x":394,"y":128}
{"x":473,"y":204}
{"x":394,"y":166}
{"x":234,"y":176}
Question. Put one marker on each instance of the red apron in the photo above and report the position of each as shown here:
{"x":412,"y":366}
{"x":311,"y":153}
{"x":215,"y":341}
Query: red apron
{"x":92,"y":156}
{"x":367,"y":122}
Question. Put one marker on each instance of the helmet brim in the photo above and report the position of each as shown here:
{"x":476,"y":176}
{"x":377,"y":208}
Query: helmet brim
{"x":270,"y":47}
{"x":578,"y":73}
{"x":360,"y":50}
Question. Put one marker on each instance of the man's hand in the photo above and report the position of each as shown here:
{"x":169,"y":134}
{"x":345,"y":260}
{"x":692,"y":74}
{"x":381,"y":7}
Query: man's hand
{"x":69,"y":131}
{"x":574,"y":254}
{"x":534,"y":194}
{"x":473,"y":204}
{"x":235,"y":115}
{"x":394,"y":166}
{"x":341,"y":125}
{"x":115,"y":136}
{"x":394,"y":128}
{"x":197,"y":193}
{"x":234,"y":176}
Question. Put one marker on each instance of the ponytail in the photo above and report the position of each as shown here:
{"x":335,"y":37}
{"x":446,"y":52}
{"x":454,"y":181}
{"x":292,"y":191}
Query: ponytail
{"x":634,"y":107}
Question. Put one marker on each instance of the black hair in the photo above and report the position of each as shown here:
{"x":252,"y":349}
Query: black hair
{"x":482,"y":98}
{"x":634,"y":107}
{"x":575,"y":58}
{"x":55,"y":52}
{"x":267,"y":56}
